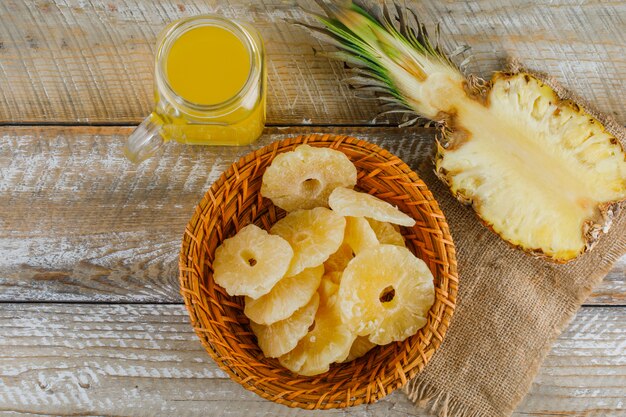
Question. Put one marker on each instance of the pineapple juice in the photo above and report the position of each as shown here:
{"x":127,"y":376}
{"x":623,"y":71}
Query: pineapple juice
{"x":209,"y":65}
{"x":210,"y":87}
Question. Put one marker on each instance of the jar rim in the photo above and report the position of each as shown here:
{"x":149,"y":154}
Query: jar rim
{"x":176,"y":30}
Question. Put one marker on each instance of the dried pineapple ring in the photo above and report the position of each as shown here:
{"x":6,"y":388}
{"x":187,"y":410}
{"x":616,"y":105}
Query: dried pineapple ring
{"x":339,"y":260}
{"x":287,"y":296}
{"x":329,"y":286}
{"x":359,"y":234}
{"x":283,"y":336}
{"x":334,"y":276}
{"x":386,"y":233}
{"x":251,"y":262}
{"x":353,"y":203}
{"x":305,"y":177}
{"x":313,"y":234}
{"x":360,"y":347}
{"x":386,"y":293}
{"x":328,"y":342}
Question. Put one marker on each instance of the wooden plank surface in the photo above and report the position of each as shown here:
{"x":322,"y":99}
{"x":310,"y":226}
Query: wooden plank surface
{"x":78,"y":222}
{"x":144,"y":360}
{"x":87,"y":61}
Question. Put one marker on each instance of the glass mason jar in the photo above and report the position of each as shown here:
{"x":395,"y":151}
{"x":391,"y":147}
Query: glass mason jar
{"x":238,"y":120}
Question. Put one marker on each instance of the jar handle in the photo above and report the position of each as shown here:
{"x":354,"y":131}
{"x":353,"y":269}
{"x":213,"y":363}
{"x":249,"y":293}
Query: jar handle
{"x":145,"y":140}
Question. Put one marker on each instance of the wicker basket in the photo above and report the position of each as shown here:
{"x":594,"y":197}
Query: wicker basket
{"x":234,"y":201}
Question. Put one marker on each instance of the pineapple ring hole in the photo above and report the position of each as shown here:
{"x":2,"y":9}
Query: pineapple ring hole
{"x":311,"y":187}
{"x":249,"y":257}
{"x":387,"y":294}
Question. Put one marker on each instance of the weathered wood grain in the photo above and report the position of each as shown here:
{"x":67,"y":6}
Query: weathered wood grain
{"x":612,"y":290}
{"x":86,"y":61}
{"x":78,"y":222}
{"x":144,"y":360}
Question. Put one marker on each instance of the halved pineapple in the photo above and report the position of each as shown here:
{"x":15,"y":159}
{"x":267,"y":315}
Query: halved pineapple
{"x":328,"y":341}
{"x":313,"y":234}
{"x":543,"y":175}
{"x":387,"y":233}
{"x":251,"y":262}
{"x":348,"y":202}
{"x":305,"y":177}
{"x":359,"y":235}
{"x":386,"y":293}
{"x":287,"y":296}
{"x":539,"y":170}
{"x":283,"y":336}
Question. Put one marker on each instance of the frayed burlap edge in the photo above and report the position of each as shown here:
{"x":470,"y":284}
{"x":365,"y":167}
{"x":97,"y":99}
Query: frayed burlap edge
{"x":436,"y":399}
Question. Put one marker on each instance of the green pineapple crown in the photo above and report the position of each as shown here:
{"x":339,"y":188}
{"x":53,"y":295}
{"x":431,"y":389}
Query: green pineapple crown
{"x":394,"y":61}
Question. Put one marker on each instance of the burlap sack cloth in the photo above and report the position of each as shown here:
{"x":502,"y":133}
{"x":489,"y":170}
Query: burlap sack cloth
{"x":511,"y":307}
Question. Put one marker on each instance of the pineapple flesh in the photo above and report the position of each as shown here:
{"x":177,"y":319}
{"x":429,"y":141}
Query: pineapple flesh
{"x":539,"y":170}
{"x":313,"y":234}
{"x":305,"y":177}
{"x":386,"y":293}
{"x":360,"y":347}
{"x":359,"y":235}
{"x":287,"y":296}
{"x":350,"y":203}
{"x":283,"y":336}
{"x":339,"y":260}
{"x":386,"y":233}
{"x":251,"y":262}
{"x":542,"y":175}
{"x":329,"y":340}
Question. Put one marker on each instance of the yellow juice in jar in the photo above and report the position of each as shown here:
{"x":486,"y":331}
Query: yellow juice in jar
{"x":208,"y":66}
{"x":210,"y":82}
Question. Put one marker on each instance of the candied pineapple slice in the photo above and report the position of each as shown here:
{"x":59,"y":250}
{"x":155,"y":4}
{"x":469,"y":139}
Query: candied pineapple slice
{"x":360,"y":347}
{"x":334,"y":276}
{"x":313,"y":234}
{"x":329,"y":341}
{"x":305,"y":177}
{"x":359,"y":234}
{"x":339,"y":260}
{"x":387,"y":233}
{"x":329,"y":286}
{"x":348,"y":202}
{"x":287,"y":296}
{"x":251,"y":262}
{"x":386,"y":293}
{"x":283,"y":336}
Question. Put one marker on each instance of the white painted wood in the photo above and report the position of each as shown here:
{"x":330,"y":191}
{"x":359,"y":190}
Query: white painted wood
{"x":144,"y":360}
{"x":78,"y":222}
{"x":91,"y":61}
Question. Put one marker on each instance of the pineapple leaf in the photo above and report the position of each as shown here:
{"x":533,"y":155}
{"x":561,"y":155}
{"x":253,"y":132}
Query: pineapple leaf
{"x":396,"y":55}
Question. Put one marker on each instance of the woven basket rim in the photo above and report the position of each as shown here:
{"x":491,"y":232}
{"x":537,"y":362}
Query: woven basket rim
{"x":361,"y":381}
